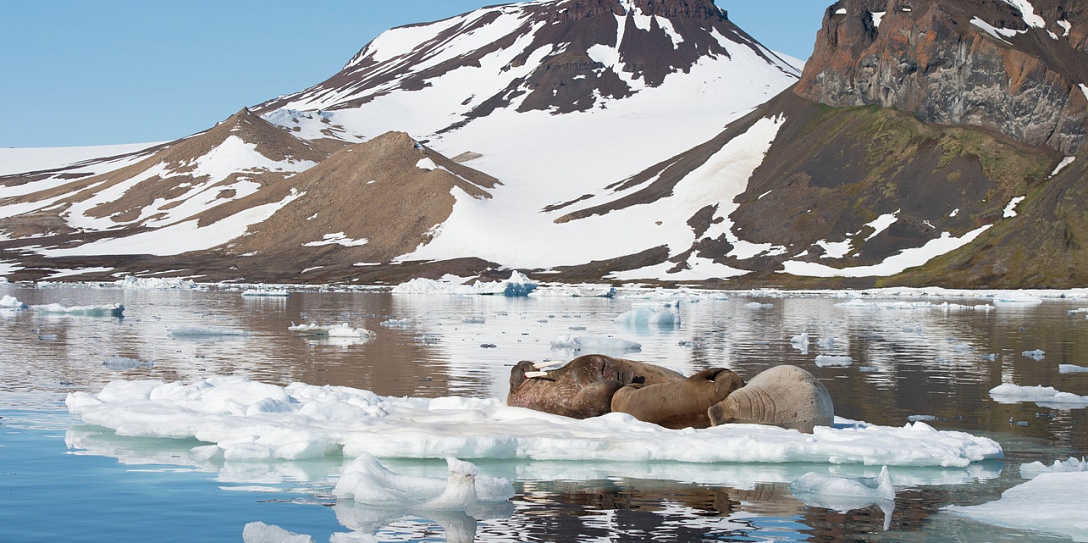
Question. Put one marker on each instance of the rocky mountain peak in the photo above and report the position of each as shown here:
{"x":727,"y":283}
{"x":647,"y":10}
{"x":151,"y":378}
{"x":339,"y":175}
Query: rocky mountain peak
{"x":1012,"y":66}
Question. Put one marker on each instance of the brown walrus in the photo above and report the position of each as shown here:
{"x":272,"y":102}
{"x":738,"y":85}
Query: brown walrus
{"x":785,"y":396}
{"x":678,"y":404}
{"x":584,"y":387}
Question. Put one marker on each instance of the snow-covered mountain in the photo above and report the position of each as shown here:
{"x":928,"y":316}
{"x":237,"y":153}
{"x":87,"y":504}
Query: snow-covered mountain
{"x":558,"y":102}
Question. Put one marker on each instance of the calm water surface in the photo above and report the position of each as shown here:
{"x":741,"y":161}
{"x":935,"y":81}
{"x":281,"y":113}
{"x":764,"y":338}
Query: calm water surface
{"x":61,"y":480}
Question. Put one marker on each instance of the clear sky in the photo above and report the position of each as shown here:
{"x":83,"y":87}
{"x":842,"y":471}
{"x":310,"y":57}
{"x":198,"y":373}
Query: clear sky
{"x":82,"y":72}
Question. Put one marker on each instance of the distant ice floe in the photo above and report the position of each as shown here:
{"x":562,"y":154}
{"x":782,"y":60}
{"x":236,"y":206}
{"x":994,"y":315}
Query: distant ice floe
{"x":825,"y":360}
{"x":1070,"y":368}
{"x":1051,"y":502}
{"x":155,"y":283}
{"x":517,"y":285}
{"x":12,"y":303}
{"x":331,"y":330}
{"x":206,"y":332}
{"x":120,"y":363}
{"x":111,"y":310}
{"x":242,"y":421}
{"x":1042,"y":396}
{"x":844,"y":494}
{"x":1037,"y":354}
{"x":259,"y":532}
{"x":574,"y":291}
{"x":604,"y":345}
{"x":266,"y":292}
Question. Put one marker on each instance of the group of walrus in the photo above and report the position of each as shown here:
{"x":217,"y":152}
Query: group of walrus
{"x":593,"y":385}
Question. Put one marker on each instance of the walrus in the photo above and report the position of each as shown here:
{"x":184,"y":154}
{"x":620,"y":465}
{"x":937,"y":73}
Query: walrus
{"x":678,"y":404}
{"x":785,"y":396}
{"x":584,"y":387}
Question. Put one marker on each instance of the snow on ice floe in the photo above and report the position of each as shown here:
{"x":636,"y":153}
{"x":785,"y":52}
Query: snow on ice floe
{"x":1051,"y":502}
{"x":242,"y":420}
{"x":847,"y":493}
{"x":1040,"y":395}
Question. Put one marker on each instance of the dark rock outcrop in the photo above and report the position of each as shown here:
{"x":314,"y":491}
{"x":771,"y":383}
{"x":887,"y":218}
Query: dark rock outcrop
{"x":962,"y":62}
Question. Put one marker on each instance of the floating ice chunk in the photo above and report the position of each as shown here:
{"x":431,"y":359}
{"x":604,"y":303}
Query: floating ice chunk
{"x":397,"y":323}
{"x":1051,"y":502}
{"x":826,"y":360}
{"x":517,"y":285}
{"x":10,"y":302}
{"x":474,"y":320}
{"x":119,"y":363}
{"x":259,"y":532}
{"x":206,"y":332}
{"x":1069,"y":465}
{"x":367,"y":481}
{"x":266,"y":292}
{"x":826,"y":343}
{"x":925,"y":418}
{"x":1070,"y":368}
{"x":758,"y":306}
{"x":595,"y":344}
{"x":331,"y":330}
{"x":665,"y":317}
{"x":113,"y":310}
{"x":845,"y":494}
{"x":1042,"y":396}
{"x":1016,"y":297}
{"x":155,"y":283}
{"x":1037,"y":354}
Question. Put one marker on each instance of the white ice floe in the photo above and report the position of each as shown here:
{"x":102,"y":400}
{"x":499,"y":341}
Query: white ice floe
{"x":845,"y":493}
{"x":1069,"y":465}
{"x":331,"y":330}
{"x":595,"y":344}
{"x":517,"y":285}
{"x":1042,"y":396}
{"x":1037,"y":354}
{"x":1071,"y":368}
{"x":266,"y":292}
{"x":120,"y":363}
{"x":206,"y":332}
{"x":242,"y":420}
{"x":574,"y":291}
{"x":11,"y":303}
{"x":826,"y":360}
{"x":367,"y":481}
{"x":111,"y":310}
{"x":259,"y":532}
{"x":665,"y":317}
{"x":155,"y":283}
{"x":1051,"y":502}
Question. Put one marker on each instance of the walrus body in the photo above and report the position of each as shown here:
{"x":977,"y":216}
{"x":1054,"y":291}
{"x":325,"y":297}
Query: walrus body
{"x":785,"y":396}
{"x":584,"y":387}
{"x":678,"y":404}
{"x":593,"y":385}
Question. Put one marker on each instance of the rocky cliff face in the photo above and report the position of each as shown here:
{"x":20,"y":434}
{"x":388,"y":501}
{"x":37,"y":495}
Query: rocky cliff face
{"x":1010,"y":66}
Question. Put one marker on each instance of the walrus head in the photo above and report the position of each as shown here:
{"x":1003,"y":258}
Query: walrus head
{"x":785,"y":396}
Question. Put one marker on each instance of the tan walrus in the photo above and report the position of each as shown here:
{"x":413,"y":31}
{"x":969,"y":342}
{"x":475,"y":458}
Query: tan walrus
{"x":678,"y":404}
{"x":785,"y":396}
{"x":584,"y":387}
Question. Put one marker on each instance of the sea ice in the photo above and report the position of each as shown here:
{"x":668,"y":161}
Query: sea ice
{"x":826,"y":360}
{"x":517,"y":285}
{"x":206,"y":332}
{"x":1070,"y":368}
{"x":1069,"y":465}
{"x":266,"y":292}
{"x":1037,"y":354}
{"x":596,"y":344}
{"x":343,"y":330}
{"x":844,"y":494}
{"x":155,"y":283}
{"x":665,"y":317}
{"x":245,"y":421}
{"x":12,"y":303}
{"x":574,"y":291}
{"x":1051,"y":502}
{"x":119,"y":363}
{"x":1042,"y":396}
{"x":397,"y":323}
{"x":114,"y":310}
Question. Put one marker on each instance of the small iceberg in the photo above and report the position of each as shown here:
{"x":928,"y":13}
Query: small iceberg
{"x":367,"y":481}
{"x":336,"y":330}
{"x":11,"y":303}
{"x":827,"y":360}
{"x":206,"y":332}
{"x":1037,"y":354}
{"x":259,"y":532}
{"x":1070,"y":465}
{"x":1040,"y":395}
{"x":113,"y":310}
{"x":516,"y":286}
{"x":664,"y":317}
{"x":1071,"y":368}
{"x":596,"y":344}
{"x":575,"y":291}
{"x":844,"y":494}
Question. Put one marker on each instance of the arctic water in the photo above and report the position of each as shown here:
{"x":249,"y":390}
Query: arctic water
{"x":887,"y":359}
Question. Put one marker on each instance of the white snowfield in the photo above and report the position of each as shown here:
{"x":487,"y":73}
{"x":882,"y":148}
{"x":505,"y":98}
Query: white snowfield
{"x":251,"y":421}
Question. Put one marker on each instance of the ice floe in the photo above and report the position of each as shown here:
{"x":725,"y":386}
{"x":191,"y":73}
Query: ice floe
{"x":595,"y":344}
{"x":845,"y":493}
{"x":1042,"y":396}
{"x":11,"y":303}
{"x":367,"y":481}
{"x":111,"y":310}
{"x":1051,"y":502}
{"x":242,"y":420}
{"x":517,"y":285}
{"x":667,"y":316}
{"x":331,"y":330}
{"x":1069,"y":465}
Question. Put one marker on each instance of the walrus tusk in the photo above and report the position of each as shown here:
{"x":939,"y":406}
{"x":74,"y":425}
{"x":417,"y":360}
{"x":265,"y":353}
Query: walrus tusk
{"x":535,"y":374}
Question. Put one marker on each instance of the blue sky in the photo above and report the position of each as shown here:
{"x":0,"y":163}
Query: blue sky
{"x":79,"y":72}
